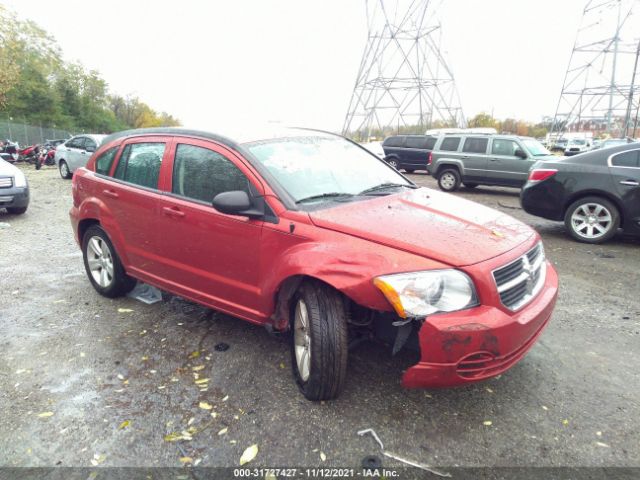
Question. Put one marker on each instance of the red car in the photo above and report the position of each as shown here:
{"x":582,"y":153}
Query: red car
{"x":307,"y":232}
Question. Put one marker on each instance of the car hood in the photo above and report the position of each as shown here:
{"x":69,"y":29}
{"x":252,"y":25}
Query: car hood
{"x":432,"y":224}
{"x":6,"y":169}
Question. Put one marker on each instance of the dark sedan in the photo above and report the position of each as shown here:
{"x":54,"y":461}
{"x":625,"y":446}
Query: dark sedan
{"x":594,"y":193}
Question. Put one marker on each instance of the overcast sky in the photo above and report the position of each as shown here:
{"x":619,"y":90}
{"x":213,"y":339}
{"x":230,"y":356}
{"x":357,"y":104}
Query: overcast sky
{"x":212,"y":63}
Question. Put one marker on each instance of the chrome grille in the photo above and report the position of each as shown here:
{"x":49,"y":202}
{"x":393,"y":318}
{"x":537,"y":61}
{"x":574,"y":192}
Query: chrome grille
{"x":6,"y":182}
{"x":520,"y":281}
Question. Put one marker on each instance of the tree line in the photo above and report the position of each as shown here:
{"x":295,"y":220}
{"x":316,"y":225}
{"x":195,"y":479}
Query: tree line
{"x":37,"y":85}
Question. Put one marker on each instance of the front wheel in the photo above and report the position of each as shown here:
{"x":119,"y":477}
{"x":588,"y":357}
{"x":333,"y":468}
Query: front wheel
{"x":393,"y":163}
{"x":449,"y":180}
{"x":103,"y":266}
{"x":16,"y":210}
{"x":592,"y":220}
{"x":319,"y":341}
{"x":64,"y":170}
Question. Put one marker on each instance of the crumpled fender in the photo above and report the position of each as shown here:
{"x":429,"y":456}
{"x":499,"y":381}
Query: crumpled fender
{"x":346,"y":263}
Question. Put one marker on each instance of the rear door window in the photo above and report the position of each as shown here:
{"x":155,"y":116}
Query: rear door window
{"x":626,"y":159}
{"x":140,"y":164}
{"x":105,"y":160}
{"x":450,"y":144}
{"x":75,"y":142}
{"x":475,"y":145}
{"x":430,"y":142}
{"x":201,"y":174}
{"x":415,"y":142}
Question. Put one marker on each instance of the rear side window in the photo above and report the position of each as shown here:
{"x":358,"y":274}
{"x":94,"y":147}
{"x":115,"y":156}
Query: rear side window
{"x":140,"y":164}
{"x":393,"y":142}
{"x":626,"y":159}
{"x":201,"y":174}
{"x":75,"y":142}
{"x":105,"y":160}
{"x":475,"y":145}
{"x":430,"y":142}
{"x":450,"y":144}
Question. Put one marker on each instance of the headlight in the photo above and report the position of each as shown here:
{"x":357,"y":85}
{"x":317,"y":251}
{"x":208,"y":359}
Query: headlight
{"x":19,"y":179}
{"x":419,"y":294}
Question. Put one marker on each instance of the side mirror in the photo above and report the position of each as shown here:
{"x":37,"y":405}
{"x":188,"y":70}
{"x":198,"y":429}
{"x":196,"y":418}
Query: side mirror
{"x":520,"y":153}
{"x":235,"y":202}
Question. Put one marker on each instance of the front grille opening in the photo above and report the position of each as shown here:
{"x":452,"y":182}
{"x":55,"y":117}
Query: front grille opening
{"x":520,"y":281}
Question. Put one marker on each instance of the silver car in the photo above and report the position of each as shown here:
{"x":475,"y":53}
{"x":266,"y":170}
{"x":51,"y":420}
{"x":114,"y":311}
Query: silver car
{"x":14,"y":189}
{"x":75,"y":152}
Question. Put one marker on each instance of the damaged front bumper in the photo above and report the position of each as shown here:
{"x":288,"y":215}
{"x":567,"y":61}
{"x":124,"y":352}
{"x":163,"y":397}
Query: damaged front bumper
{"x":471,"y":345}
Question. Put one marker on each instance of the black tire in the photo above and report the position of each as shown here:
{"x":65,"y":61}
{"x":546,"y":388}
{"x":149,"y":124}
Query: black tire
{"x":120,"y":283}
{"x":598,"y":209}
{"x":470,"y":185}
{"x":449,"y":179}
{"x":16,"y":210}
{"x":326,"y":338}
{"x":409,"y":170}
{"x":393,"y":163}
{"x":63,"y":168}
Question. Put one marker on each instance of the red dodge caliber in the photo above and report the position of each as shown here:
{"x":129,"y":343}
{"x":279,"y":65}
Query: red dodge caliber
{"x":306,"y":232}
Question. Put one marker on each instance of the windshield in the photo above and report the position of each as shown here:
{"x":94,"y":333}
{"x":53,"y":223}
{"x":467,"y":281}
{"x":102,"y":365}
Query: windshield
{"x":614,"y":142}
{"x":317,"y":166}
{"x":578,"y":142}
{"x":536,"y":148}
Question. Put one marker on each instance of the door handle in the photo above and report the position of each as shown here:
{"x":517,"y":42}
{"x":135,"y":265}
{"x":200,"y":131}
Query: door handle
{"x":494,"y":159}
{"x":110,"y":194}
{"x":631,"y":183}
{"x":173,"y":212}
{"x":465,"y":156}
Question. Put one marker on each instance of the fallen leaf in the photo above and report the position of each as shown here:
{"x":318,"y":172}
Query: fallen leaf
{"x":565,"y":422}
{"x":205,"y":406}
{"x":124,"y":424}
{"x":174,"y":437}
{"x":82,"y":354}
{"x":186,"y":460}
{"x":45,"y":414}
{"x":120,"y":376}
{"x":282,"y":365}
{"x":544,"y":408}
{"x":223,"y":431}
{"x":194,"y":354}
{"x":98,"y":459}
{"x":198,"y":368}
{"x":489,"y":390}
{"x":270,"y":476}
{"x":600,"y":444}
{"x":124,"y":310}
{"x":487,"y":423}
{"x":599,"y":434}
{"x":214,"y":414}
{"x":323,"y":457}
{"x":249,"y":454}
{"x":145,"y":358}
{"x":202,"y":380}
{"x":225,"y":398}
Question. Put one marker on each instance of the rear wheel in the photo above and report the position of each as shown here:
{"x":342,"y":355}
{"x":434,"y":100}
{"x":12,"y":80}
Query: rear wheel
{"x":592,"y":220}
{"x":64,"y":170}
{"x":449,"y":180}
{"x":17,"y":210}
{"x":319,"y":341}
{"x":103,"y":266}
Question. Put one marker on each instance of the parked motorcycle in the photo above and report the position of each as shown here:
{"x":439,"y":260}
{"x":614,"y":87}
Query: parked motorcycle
{"x":45,"y":157}
{"x":9,"y":151}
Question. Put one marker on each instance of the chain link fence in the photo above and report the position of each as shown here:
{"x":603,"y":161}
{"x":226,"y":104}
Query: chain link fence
{"x":29,"y":134}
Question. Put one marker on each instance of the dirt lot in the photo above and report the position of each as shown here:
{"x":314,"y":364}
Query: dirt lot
{"x":89,"y":381}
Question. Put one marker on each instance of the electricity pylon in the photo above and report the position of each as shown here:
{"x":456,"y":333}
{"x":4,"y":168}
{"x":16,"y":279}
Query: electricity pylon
{"x":403,"y":79}
{"x":599,"y":90}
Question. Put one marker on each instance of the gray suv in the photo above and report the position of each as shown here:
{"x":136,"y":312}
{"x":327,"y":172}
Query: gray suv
{"x":475,"y":159}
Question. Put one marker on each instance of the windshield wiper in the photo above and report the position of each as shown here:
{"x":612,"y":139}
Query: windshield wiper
{"x":384,"y":186}
{"x":324,"y":195}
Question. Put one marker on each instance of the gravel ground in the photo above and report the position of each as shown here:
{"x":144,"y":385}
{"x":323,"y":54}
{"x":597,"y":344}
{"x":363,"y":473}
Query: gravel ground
{"x":85,"y":380}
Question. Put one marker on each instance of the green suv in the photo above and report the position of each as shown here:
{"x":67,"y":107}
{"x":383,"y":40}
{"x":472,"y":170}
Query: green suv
{"x":476,"y":159}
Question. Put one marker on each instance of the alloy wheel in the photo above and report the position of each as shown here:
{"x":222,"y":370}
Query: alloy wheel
{"x":302,"y":340}
{"x":591,"y":220}
{"x":100,"y":261}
